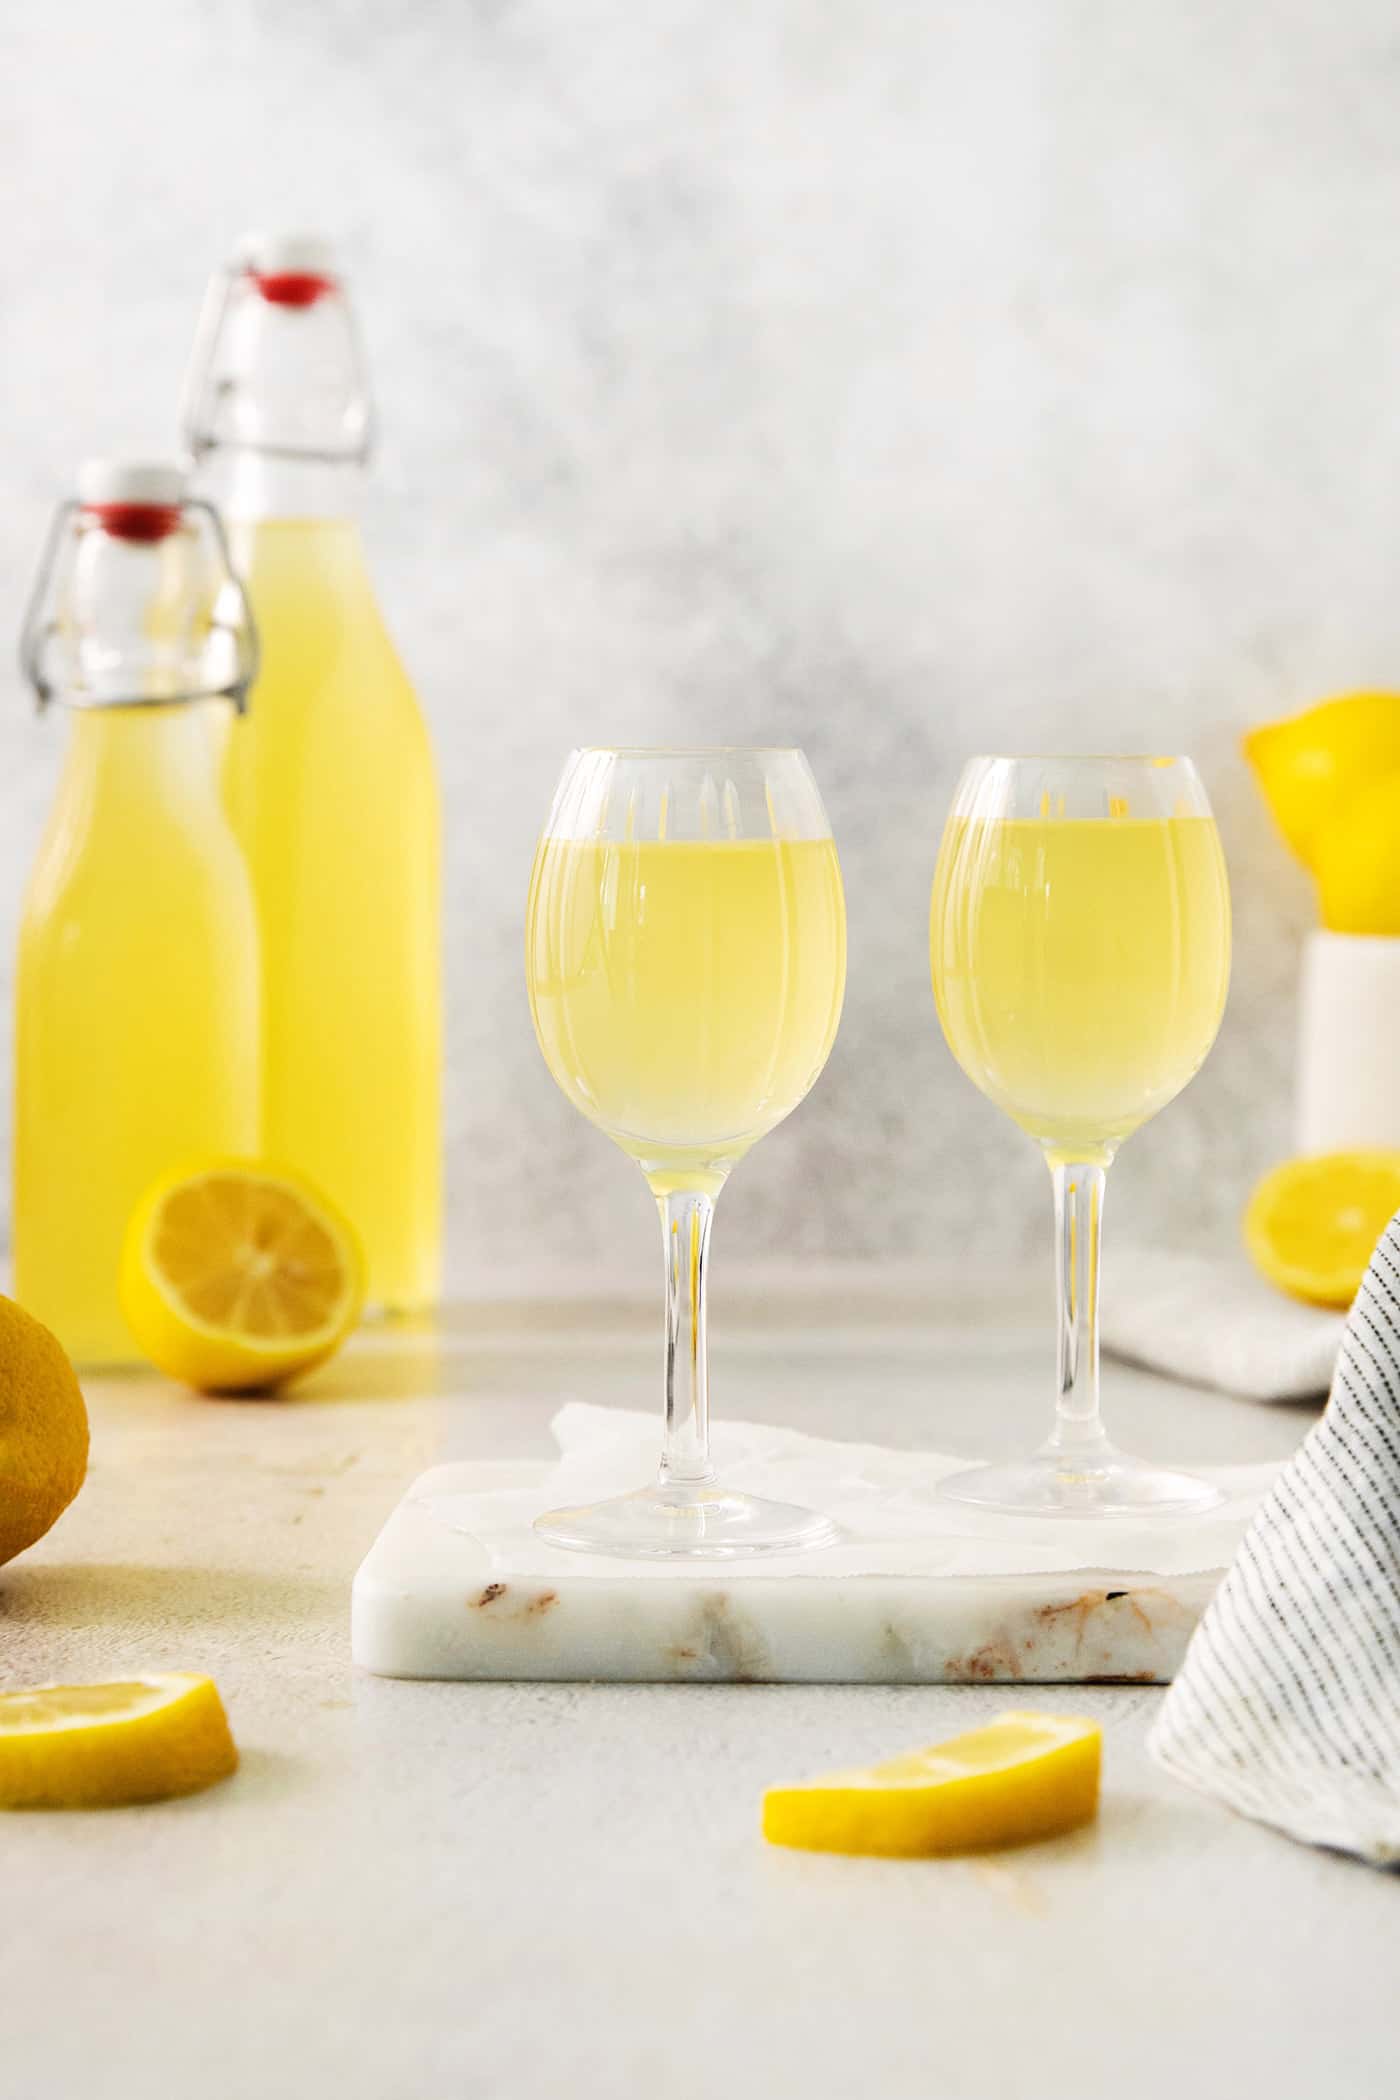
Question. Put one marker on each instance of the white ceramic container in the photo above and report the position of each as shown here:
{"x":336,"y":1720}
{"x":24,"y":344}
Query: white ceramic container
{"x":1348,"y":1083}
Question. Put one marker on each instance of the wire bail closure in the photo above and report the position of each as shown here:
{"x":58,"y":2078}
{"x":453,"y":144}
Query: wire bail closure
{"x":232,"y":631}
{"x":213,"y":383}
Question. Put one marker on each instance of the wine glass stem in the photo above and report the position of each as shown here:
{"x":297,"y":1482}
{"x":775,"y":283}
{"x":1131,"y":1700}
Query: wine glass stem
{"x":685,"y":1236}
{"x":1079,"y":1190}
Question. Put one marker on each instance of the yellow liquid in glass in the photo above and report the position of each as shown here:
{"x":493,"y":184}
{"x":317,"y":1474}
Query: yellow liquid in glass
{"x":686,"y":995}
{"x":332,"y":790}
{"x":136,"y":1036}
{"x":1080,"y":967}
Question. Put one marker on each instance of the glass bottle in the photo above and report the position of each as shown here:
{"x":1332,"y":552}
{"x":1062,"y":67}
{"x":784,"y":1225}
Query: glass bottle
{"x":333,"y":791}
{"x":136,"y":1026}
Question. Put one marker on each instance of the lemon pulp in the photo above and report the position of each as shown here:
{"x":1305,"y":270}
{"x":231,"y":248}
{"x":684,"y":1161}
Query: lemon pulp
{"x":1025,"y":1775}
{"x":238,"y":1276}
{"x":102,"y":1745}
{"x":1312,"y":1225}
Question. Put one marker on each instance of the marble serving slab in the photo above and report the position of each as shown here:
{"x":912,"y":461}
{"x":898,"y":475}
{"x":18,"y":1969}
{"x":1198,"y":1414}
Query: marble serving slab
{"x":430,"y":1600}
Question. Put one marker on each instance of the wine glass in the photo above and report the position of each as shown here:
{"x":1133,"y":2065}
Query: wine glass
{"x":686,"y":955}
{"x":1080,"y":944}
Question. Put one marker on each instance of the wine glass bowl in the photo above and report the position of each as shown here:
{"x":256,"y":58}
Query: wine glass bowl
{"x":1079,"y":940}
{"x":685,"y":953}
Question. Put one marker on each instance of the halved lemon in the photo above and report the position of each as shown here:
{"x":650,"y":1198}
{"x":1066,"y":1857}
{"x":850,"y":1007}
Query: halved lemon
{"x":100,"y":1745}
{"x":1025,"y":1775}
{"x":237,"y":1277}
{"x":1311,"y":1226}
{"x":1310,"y":765}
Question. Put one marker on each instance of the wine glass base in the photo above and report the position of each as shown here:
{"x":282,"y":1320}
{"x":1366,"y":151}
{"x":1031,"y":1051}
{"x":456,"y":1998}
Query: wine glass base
{"x":686,"y":1520}
{"x":1105,"y":1483}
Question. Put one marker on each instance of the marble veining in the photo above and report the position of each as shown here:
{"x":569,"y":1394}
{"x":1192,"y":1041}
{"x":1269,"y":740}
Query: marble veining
{"x":430,"y":1601}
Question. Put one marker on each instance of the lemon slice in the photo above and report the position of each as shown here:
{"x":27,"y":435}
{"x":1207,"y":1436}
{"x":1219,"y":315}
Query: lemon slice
{"x":237,"y":1277}
{"x":99,"y":1745}
{"x":1025,"y":1775}
{"x":1312,"y":1224}
{"x":1310,"y":765}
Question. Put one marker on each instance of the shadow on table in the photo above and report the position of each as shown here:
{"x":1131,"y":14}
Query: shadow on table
{"x":422,"y":1372}
{"x":414,"y":1367}
{"x":417,"y":1367}
{"x":152,"y":1602}
{"x":261,"y":1772}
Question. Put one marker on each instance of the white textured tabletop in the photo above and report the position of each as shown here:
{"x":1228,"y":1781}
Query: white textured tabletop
{"x":545,"y":1890}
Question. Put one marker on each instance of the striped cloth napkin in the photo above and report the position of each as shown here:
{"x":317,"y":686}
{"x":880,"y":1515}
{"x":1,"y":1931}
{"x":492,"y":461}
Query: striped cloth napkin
{"x":1287,"y":1706}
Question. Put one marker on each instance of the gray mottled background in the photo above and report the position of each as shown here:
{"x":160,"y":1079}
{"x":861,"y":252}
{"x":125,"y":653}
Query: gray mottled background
{"x":898,"y":379}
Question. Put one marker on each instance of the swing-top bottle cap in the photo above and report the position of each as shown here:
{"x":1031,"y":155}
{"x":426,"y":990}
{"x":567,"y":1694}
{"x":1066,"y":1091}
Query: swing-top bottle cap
{"x":134,"y":498}
{"x":136,"y":602}
{"x":276,"y":368}
{"x":131,"y":480}
{"x":289,"y":269}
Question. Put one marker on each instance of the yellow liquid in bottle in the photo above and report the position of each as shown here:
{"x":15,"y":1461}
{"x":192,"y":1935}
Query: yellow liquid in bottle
{"x":686,"y":995}
{"x":332,"y":790}
{"x":1080,"y":967}
{"x":136,"y":1033}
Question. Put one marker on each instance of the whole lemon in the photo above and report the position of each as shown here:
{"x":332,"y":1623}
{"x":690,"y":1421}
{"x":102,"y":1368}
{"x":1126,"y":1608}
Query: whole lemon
{"x":1310,"y":765}
{"x":1357,"y":861}
{"x":43,"y":1430}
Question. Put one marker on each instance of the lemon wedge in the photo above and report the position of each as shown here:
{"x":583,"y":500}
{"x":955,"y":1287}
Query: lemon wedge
{"x":1310,"y":765}
{"x":1025,"y":1775}
{"x":1312,"y":1224}
{"x":100,"y":1745}
{"x":237,"y":1277}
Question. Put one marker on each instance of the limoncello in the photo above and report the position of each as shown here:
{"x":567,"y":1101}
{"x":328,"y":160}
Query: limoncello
{"x":136,"y":1025}
{"x":1080,"y":966}
{"x":333,"y":791}
{"x":686,"y":993}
